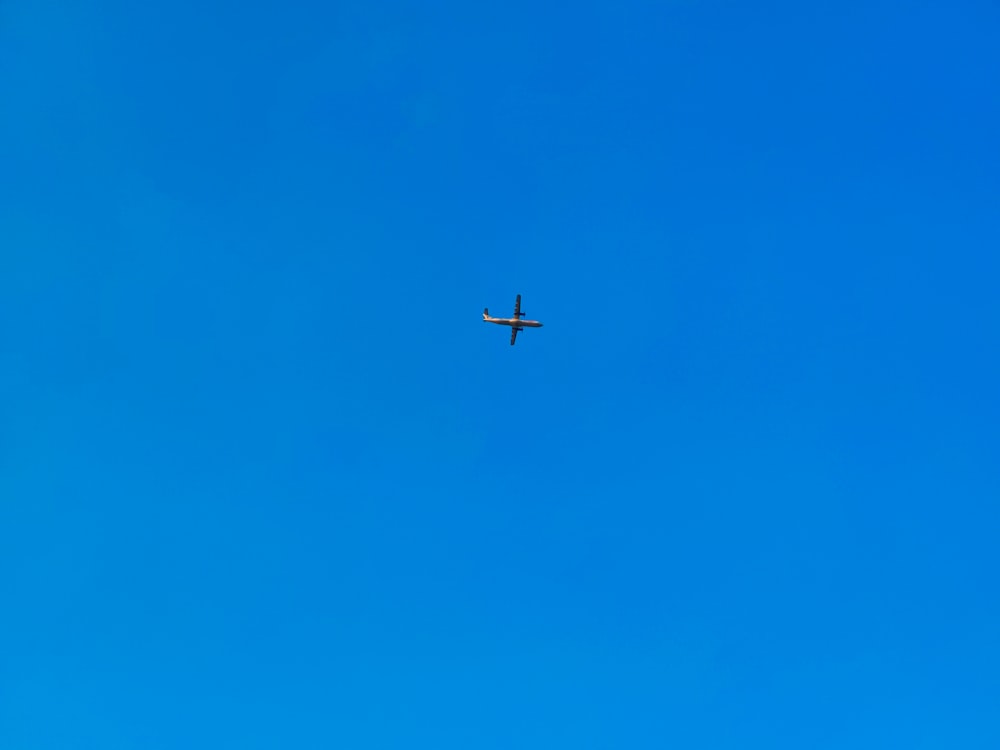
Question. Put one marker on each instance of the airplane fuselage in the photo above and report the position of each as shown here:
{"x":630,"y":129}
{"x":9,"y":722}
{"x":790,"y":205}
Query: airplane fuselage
{"x":513,"y":322}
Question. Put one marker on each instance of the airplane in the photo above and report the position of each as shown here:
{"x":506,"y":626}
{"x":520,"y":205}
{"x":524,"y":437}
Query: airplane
{"x":517,"y":323}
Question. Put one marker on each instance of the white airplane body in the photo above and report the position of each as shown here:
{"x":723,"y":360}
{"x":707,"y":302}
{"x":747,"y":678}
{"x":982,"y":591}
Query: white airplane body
{"x":517,"y":323}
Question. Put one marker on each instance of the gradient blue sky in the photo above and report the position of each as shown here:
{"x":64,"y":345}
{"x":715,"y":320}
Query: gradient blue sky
{"x":267,"y":480}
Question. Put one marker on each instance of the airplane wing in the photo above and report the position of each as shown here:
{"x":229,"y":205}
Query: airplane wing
{"x":513,"y":335}
{"x":517,"y":307}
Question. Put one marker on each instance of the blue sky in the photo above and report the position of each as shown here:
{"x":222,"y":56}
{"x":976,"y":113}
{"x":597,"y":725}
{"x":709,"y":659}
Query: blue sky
{"x":267,"y":480}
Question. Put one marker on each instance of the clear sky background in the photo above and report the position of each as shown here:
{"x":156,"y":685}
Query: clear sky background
{"x":267,"y":479}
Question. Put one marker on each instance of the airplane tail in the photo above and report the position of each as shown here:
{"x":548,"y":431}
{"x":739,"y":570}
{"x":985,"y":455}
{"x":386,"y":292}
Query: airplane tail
{"x":486,"y":313}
